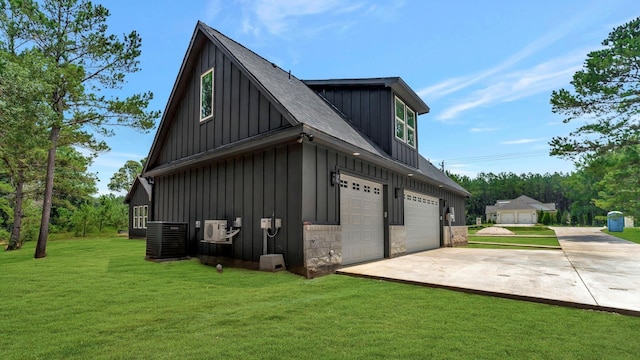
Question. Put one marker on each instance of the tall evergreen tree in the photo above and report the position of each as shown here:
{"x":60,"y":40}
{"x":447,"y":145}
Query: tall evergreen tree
{"x":86,"y":60}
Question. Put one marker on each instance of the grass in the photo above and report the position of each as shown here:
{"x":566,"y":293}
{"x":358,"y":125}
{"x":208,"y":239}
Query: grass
{"x":630,"y":234}
{"x":547,"y":241}
{"x":524,"y":230}
{"x":539,"y":235}
{"x":98,"y":299}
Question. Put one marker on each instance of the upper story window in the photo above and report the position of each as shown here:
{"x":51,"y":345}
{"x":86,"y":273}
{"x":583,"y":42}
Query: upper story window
{"x":405,"y":123}
{"x":206,"y":95}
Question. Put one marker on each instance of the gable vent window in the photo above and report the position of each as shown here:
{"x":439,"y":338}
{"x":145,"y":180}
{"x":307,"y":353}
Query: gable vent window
{"x":206,"y":95}
{"x":405,"y":123}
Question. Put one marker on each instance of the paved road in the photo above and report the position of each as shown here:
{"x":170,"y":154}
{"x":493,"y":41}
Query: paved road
{"x":593,"y":270}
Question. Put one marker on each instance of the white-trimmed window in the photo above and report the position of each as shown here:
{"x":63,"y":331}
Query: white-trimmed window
{"x":206,"y":95}
{"x":140,"y":216}
{"x":405,"y":123}
{"x":145,"y":216}
{"x":136,"y":213}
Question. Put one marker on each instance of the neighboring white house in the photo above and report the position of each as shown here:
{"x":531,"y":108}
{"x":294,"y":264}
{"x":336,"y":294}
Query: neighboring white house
{"x":522,"y":210}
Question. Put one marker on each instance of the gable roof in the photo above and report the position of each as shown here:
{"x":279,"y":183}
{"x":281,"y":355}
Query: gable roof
{"x":142,"y":182}
{"x":297,"y":103}
{"x":522,"y":202}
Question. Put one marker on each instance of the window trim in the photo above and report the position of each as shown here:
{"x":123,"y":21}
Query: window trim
{"x":203,"y":119}
{"x":405,"y":125}
{"x":140,"y":216}
{"x":136,"y":211}
{"x":145,"y":216}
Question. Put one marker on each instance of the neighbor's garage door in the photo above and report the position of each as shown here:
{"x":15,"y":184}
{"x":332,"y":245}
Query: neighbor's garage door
{"x":421,"y":221}
{"x":507,"y":218}
{"x":361,"y":217}
{"x":525,"y":218}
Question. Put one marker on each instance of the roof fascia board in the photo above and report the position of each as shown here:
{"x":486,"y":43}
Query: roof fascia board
{"x":240,"y":147}
{"x":395,"y":83}
{"x":169,"y":108}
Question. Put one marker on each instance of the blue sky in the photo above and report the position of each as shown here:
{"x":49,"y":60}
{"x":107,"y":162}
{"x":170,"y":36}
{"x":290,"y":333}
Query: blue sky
{"x":485,"y":68}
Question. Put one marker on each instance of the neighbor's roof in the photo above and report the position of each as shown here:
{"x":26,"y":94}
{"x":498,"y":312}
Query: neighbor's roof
{"x":522,"y":202}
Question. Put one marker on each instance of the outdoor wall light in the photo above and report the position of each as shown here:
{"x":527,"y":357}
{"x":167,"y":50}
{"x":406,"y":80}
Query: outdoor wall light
{"x":335,"y":178}
{"x":398,"y":192}
{"x":302,"y":135}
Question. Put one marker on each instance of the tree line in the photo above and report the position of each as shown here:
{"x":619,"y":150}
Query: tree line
{"x":572,"y":194}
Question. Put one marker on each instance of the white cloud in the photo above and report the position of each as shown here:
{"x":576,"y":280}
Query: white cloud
{"x":279,"y":16}
{"x":452,"y":85}
{"x":518,"y":84}
{"x":521,"y":141}
{"x":212,"y":9}
{"x":481,"y":129}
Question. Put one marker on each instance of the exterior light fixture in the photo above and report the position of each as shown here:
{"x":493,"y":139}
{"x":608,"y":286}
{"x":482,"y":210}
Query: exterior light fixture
{"x":335,"y":178}
{"x":356,"y":154}
{"x":302,"y":135}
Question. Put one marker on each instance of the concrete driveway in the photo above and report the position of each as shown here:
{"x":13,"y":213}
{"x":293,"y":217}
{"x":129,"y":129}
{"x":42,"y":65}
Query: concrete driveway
{"x":593,"y":270}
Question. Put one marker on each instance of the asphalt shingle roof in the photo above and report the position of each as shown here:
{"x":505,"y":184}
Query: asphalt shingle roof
{"x":304,"y":106}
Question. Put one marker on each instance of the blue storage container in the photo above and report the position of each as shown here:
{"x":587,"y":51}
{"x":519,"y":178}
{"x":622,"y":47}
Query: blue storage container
{"x":615,"y":221}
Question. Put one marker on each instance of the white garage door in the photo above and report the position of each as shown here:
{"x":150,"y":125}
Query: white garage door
{"x":507,"y":218}
{"x":525,"y":218}
{"x":361,"y":217}
{"x":421,"y":221}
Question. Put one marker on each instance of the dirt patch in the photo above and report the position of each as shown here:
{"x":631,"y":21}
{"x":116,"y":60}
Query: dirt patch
{"x":495,"y":230}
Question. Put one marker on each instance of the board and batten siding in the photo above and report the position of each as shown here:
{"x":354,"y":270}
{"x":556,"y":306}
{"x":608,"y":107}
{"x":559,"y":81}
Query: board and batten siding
{"x":320,"y":199}
{"x":240,"y":110}
{"x":252,"y":187}
{"x":370,"y":109}
{"x":366,"y":108}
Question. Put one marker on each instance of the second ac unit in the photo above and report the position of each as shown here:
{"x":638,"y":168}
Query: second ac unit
{"x":215,"y":230}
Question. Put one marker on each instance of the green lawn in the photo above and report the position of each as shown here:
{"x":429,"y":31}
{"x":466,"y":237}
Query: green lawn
{"x":532,"y":230}
{"x":98,"y":299}
{"x":524,"y":230}
{"x":631,"y":234}
{"x":548,"y":241}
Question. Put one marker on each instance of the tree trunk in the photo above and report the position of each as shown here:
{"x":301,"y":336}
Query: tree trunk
{"x":41,"y":248}
{"x":14,"y":242}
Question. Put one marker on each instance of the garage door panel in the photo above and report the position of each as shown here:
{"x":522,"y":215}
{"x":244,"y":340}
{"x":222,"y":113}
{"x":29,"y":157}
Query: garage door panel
{"x":361,"y":218}
{"x":422,"y":222}
{"x":525,"y":218}
{"x":507,"y":218}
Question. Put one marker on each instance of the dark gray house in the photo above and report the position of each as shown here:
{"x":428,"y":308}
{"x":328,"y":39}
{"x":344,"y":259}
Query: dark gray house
{"x":336,"y":160}
{"x":139,"y":200}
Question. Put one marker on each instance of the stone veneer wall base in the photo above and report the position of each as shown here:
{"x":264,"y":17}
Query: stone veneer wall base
{"x":322,"y":249}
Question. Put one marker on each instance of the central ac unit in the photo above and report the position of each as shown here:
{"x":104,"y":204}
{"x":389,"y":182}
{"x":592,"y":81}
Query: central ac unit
{"x":166,"y":239}
{"x":215,"y":230}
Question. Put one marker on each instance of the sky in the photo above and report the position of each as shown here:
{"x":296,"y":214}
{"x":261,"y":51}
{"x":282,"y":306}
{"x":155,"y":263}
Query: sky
{"x":485,"y":68}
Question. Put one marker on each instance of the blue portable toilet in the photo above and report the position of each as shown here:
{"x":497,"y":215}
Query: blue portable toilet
{"x":615,"y":221}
